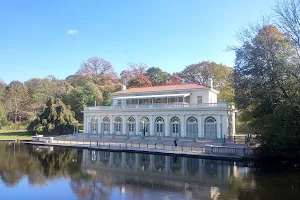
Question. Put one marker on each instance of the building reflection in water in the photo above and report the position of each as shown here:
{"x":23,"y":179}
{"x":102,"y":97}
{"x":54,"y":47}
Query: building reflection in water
{"x":190,"y":178}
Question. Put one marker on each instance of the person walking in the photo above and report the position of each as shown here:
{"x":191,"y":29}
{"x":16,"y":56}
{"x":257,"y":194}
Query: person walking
{"x":175,"y":143}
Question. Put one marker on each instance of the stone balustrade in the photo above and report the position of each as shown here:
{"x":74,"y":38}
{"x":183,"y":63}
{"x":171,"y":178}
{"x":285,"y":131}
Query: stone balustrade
{"x":228,"y":150}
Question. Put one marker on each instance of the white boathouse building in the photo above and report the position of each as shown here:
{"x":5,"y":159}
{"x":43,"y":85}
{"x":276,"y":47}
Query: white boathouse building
{"x":179,"y":111}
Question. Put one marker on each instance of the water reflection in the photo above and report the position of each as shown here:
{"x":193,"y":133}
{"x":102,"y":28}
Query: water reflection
{"x":115,"y":175}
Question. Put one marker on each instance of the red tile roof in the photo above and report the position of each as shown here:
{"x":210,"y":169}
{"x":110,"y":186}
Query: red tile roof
{"x":161,"y":88}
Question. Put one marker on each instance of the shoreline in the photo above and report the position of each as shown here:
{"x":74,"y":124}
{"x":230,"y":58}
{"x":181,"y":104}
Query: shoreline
{"x":173,"y":152}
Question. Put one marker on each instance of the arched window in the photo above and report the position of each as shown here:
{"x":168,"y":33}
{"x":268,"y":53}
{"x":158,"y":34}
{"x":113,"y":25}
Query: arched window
{"x":118,"y":120}
{"x":191,"y":127}
{"x":131,"y":125}
{"x":175,"y":164}
{"x":210,"y":128}
{"x":144,"y":126}
{"x":130,"y":159}
{"x":175,"y":127}
{"x":131,"y":120}
{"x":144,"y":161}
{"x":104,"y":157}
{"x":93,"y":156}
{"x":117,"y":159}
{"x":106,"y":122}
{"x":118,"y":125}
{"x":159,"y":162}
{"x":159,"y":126}
{"x":192,"y":166}
{"x":94,"y":125}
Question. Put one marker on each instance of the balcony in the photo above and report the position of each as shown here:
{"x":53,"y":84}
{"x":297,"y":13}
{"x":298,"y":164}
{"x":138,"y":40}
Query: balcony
{"x":179,"y":106}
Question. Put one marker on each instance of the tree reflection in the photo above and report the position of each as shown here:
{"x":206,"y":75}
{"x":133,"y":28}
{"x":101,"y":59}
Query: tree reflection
{"x":18,"y":160}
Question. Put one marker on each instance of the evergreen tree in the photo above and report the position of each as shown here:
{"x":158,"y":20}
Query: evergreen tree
{"x":56,"y":118}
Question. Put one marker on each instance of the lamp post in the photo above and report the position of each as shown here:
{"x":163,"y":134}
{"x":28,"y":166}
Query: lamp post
{"x":74,"y":125}
{"x":144,"y":130}
{"x":159,"y":128}
{"x":176,"y":128}
{"x":20,"y":121}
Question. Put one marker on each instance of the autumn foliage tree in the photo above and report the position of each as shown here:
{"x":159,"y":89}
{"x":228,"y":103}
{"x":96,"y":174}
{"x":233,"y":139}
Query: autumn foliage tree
{"x":268,"y":90}
{"x":101,"y":72}
{"x":135,"y":76}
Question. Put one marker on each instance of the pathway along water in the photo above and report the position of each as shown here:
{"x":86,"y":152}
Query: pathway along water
{"x":42,"y":172}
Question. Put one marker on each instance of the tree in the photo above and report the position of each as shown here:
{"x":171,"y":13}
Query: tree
{"x":135,"y":76}
{"x":80,"y":96}
{"x":287,"y":17}
{"x":3,"y":116}
{"x":221,"y":75}
{"x":17,"y":100}
{"x":107,"y":99}
{"x":157,"y":76}
{"x":2,"y":91}
{"x":174,"y":79}
{"x":101,"y":72}
{"x":268,"y":91}
{"x":56,"y":118}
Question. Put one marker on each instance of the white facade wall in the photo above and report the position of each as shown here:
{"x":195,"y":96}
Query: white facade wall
{"x":217,"y":113}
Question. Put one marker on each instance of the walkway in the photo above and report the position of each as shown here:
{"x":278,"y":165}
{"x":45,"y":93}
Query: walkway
{"x":187,"y":147}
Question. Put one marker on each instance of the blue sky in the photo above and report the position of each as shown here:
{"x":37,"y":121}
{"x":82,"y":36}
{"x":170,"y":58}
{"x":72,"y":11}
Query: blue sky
{"x":169,"y":34}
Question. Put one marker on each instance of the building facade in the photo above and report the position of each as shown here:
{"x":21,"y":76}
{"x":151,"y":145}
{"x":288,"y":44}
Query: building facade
{"x":179,"y":111}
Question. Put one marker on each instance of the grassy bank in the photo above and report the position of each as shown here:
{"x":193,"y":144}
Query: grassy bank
{"x":11,"y":134}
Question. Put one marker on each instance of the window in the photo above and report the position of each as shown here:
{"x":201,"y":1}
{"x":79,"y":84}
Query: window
{"x":192,"y":127}
{"x":118,"y":127}
{"x":106,"y":124}
{"x":210,"y":128}
{"x":175,"y":128}
{"x":187,"y":99}
{"x":199,"y":99}
{"x":131,"y":122}
{"x":159,"y":128}
{"x":131,"y":127}
{"x":175,"y":125}
{"x":105,"y":127}
{"x":119,"y":102}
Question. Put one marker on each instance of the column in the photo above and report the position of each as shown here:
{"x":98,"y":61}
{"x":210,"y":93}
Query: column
{"x":124,"y":125}
{"x":110,"y":159}
{"x":137,"y":128}
{"x":84,"y":124}
{"x":203,"y":125}
{"x":151,"y":163}
{"x":136,"y":162}
{"x":218,"y":127}
{"x":167,"y":126}
{"x":225,"y":125}
{"x":183,"y":166}
{"x":200,"y":133}
{"x":233,"y":121}
{"x":182,"y":126}
{"x":88,"y":124}
{"x":99,"y":124}
{"x":151,"y":125}
{"x":111,"y":125}
{"x":167,"y":164}
{"x":123,"y":159}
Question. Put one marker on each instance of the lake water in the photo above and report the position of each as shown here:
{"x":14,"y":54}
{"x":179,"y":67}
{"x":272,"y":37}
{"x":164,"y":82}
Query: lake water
{"x":35,"y":172}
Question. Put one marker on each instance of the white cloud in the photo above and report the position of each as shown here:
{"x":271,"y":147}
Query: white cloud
{"x":72,"y":32}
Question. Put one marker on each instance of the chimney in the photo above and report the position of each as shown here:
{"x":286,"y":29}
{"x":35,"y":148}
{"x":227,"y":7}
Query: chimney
{"x":123,"y":87}
{"x":210,"y":82}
